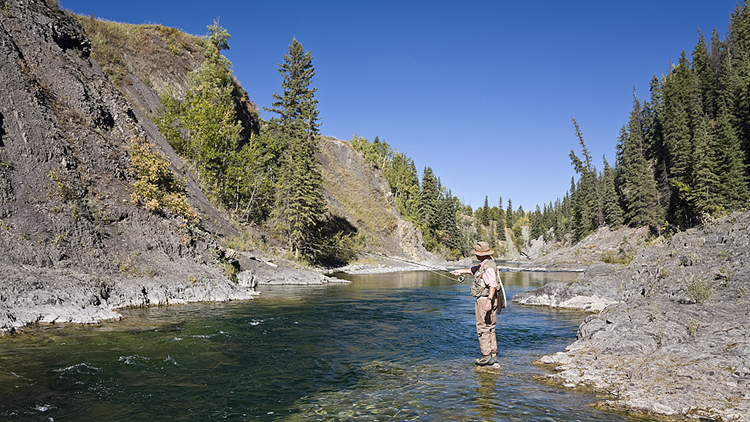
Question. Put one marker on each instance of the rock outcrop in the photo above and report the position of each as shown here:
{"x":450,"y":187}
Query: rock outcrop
{"x":73,"y":247}
{"x":677,"y":340}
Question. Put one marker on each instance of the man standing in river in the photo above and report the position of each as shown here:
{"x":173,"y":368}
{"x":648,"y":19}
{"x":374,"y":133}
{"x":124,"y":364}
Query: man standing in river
{"x":484,"y":289}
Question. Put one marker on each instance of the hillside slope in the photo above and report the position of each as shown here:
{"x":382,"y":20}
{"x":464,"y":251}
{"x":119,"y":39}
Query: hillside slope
{"x":74,"y":246}
{"x":144,"y":60}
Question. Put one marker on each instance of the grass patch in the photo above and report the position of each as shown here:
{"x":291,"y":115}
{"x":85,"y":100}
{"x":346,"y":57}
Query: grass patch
{"x":611,"y":257}
{"x":699,"y":290}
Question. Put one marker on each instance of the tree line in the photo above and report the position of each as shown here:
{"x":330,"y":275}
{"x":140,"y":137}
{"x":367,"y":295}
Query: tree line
{"x":271,"y":176}
{"x":683,"y":154}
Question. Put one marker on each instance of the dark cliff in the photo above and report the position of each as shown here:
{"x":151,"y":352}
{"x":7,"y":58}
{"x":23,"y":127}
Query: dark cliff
{"x":73,"y":245}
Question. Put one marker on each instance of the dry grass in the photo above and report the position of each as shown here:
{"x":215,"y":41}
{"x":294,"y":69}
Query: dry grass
{"x":114,"y":45}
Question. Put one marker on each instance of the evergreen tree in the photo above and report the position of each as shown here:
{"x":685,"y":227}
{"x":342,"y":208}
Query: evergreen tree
{"x":705,"y":185}
{"x":706,"y":77}
{"x":450,"y":232}
{"x":678,"y":93}
{"x":501,"y":220}
{"x":736,"y":75}
{"x":299,"y":197}
{"x":654,"y":145}
{"x":637,"y":186}
{"x":610,"y":199}
{"x":537,"y":223}
{"x":733,"y":187}
{"x":428,"y":200}
{"x":486,"y":212}
{"x":587,"y":210}
{"x":509,"y":218}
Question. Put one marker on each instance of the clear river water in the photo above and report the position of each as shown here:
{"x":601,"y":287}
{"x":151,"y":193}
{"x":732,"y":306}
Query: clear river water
{"x":387,"y":347}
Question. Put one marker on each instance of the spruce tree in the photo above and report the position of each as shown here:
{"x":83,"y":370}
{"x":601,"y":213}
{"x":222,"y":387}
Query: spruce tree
{"x":587,"y":210}
{"x":704,"y":190}
{"x":733,"y":186}
{"x":706,"y":77}
{"x":429,"y":196}
{"x":736,"y":74}
{"x":610,"y":199}
{"x":299,"y":192}
{"x":677,"y":128}
{"x":636,"y":183}
{"x":485,"y":216}
{"x":501,"y":218}
{"x":509,"y":217}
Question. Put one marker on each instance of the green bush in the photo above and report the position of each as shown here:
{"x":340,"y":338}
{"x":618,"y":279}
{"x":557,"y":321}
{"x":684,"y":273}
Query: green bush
{"x":699,"y":290}
{"x":155,"y":186}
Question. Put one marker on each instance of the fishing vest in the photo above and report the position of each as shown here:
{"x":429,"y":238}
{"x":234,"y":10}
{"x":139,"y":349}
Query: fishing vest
{"x":479,"y":287}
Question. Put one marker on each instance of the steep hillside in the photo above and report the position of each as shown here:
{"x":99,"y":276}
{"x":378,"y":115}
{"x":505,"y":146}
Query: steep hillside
{"x":74,"y":244}
{"x":360,"y":194}
{"x":77,"y":238}
{"x":147,"y":59}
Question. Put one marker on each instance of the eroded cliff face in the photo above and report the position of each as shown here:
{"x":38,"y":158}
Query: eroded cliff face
{"x":69,"y":234}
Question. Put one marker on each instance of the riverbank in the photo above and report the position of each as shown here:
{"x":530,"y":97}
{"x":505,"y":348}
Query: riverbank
{"x":32,"y":296}
{"x":675,"y":339}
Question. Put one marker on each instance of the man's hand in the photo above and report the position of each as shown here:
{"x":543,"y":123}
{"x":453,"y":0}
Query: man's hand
{"x":488,"y":305}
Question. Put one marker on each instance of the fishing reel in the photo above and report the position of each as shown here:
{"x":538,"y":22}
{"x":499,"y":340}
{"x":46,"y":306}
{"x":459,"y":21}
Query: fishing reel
{"x":461,"y":278}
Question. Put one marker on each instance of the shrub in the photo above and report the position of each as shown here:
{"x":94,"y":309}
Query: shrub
{"x":156,"y":187}
{"x":699,"y":290}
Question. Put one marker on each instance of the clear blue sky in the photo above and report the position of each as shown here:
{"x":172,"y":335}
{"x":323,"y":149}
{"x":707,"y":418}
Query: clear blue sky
{"x":481,"y":91}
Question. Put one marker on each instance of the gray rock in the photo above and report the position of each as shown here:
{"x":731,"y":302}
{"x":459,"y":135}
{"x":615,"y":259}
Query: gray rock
{"x":677,"y":342}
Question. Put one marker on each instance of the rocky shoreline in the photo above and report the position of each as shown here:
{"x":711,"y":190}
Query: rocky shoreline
{"x":673,"y":340}
{"x":32,"y":296}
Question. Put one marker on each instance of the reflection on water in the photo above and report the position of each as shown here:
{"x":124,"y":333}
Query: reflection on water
{"x":383,"y":347}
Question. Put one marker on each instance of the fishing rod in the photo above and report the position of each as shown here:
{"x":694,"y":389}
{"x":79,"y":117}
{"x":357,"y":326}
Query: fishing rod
{"x":432,"y":269}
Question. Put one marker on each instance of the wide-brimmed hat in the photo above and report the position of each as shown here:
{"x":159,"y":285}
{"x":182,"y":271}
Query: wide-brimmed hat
{"x":482,"y":249}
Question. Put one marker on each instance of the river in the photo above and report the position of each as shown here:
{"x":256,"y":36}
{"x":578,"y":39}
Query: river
{"x":388,"y":347}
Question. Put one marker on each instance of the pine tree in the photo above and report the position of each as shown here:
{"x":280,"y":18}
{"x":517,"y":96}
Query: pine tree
{"x":610,"y":199}
{"x":299,"y":191}
{"x":733,"y":186}
{"x":636,"y":183}
{"x":705,"y":184}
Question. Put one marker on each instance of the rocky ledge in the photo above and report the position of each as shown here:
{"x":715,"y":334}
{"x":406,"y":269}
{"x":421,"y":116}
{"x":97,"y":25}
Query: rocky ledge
{"x":31,"y":296}
{"x":675,"y":339}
